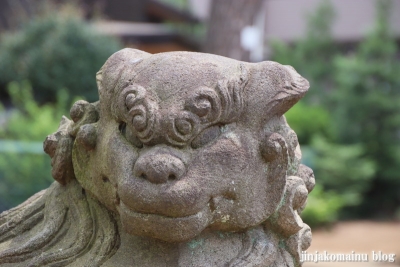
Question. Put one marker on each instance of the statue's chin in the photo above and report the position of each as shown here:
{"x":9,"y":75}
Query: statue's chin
{"x":169,"y":229}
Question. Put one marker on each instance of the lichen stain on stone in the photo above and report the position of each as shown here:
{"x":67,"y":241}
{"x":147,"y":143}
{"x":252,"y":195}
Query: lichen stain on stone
{"x":196,"y":243}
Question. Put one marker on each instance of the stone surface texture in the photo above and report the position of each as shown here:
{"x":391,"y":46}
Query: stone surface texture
{"x":186,"y":160}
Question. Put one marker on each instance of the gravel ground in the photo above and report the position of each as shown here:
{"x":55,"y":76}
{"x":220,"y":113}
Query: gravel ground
{"x":362,"y":237}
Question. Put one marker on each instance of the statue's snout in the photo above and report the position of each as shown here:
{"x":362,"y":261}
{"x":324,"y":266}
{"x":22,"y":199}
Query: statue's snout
{"x":159,"y":168}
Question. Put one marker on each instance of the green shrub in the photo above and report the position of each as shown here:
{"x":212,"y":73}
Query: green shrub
{"x":56,"y":51}
{"x":343,"y":169}
{"x":343,"y":175}
{"x":350,"y":120}
{"x":323,"y":207}
{"x":24,"y":168}
{"x":308,"y":120}
{"x":368,"y":110}
{"x":312,"y":56}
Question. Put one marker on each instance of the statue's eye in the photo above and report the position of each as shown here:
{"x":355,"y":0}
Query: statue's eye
{"x":206,"y":136}
{"x":129,"y":135}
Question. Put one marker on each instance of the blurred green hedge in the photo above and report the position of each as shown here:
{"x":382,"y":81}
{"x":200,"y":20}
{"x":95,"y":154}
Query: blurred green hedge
{"x":23,"y":171}
{"x":44,"y":65}
{"x":350,"y":119}
{"x":54,"y":51}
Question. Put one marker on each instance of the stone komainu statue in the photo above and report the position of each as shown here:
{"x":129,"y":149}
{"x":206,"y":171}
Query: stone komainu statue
{"x":186,"y":160}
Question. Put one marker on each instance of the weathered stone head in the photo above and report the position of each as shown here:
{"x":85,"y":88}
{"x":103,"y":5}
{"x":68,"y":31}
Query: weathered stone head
{"x":181,"y":146}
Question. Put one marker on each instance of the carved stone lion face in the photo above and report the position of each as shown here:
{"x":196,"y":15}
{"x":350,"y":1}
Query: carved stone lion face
{"x":180,"y":147}
{"x":188,"y":141}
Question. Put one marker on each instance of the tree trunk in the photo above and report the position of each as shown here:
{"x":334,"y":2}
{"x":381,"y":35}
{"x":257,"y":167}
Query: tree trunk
{"x":228,"y":18}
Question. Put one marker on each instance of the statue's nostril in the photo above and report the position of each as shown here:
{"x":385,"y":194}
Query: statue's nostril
{"x":159,"y":168}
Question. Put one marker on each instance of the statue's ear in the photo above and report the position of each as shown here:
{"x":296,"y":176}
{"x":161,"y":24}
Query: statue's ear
{"x":272,"y":90}
{"x":59,"y":144}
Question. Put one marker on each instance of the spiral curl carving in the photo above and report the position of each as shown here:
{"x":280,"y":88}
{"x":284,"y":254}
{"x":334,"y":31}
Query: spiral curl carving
{"x":182,"y":128}
{"x":139,"y":111}
{"x":205,"y":104}
{"x":223,"y":104}
{"x":204,"y":107}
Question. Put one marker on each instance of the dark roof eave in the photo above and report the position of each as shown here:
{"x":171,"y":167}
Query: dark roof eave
{"x":167,"y":12}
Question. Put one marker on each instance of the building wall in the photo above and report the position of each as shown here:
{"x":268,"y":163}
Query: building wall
{"x":285,"y":18}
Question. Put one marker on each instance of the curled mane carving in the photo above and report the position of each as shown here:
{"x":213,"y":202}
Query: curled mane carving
{"x":58,"y":226}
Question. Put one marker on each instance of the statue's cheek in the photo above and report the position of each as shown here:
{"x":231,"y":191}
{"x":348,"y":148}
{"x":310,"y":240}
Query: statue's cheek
{"x":100,"y":168}
{"x":232,"y":171}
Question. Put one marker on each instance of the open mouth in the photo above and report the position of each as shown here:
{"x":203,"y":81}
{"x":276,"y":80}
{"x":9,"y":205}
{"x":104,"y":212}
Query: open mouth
{"x":170,"y":229}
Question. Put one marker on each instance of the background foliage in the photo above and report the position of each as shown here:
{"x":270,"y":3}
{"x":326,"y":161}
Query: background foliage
{"x":351,"y":118}
{"x":44,"y":65}
{"x":53,"y":51}
{"x":22,"y":172}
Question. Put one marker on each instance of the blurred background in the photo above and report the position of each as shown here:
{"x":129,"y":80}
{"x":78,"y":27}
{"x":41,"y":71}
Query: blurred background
{"x":348,"y":124}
